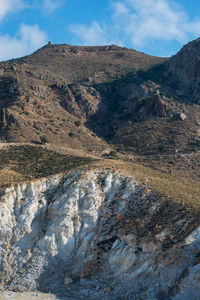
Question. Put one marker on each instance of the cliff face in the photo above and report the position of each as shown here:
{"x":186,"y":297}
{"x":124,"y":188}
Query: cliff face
{"x":96,"y":232}
{"x":183,"y":68}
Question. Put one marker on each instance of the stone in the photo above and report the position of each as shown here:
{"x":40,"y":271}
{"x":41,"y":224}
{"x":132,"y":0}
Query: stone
{"x":71,"y":236}
{"x":183,"y":116}
{"x":106,"y":290}
{"x":68,"y":281}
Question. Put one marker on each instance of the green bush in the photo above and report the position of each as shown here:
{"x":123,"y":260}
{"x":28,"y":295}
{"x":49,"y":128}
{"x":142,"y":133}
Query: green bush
{"x":44,"y":139}
{"x":113,"y":153}
{"x":77,"y":123}
{"x":19,"y":104}
{"x":121,"y":147}
{"x":71,"y":134}
{"x":162,"y":148}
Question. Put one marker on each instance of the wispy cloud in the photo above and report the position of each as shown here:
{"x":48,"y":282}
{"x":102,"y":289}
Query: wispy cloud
{"x":145,"y":20}
{"x":7,"y":6}
{"x":49,"y":6}
{"x":27,"y":40}
{"x":94,"y":34}
{"x":45,"y":6}
{"x":139,"y":22}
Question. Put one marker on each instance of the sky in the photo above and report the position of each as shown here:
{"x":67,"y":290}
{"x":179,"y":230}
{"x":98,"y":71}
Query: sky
{"x":156,"y":27}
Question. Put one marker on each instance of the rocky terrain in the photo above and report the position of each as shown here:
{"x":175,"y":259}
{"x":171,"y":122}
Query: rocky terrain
{"x":90,"y":234}
{"x":99,"y":174}
{"x":66,"y":93}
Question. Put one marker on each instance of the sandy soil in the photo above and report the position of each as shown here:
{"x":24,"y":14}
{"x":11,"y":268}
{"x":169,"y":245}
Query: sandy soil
{"x":30,"y":296}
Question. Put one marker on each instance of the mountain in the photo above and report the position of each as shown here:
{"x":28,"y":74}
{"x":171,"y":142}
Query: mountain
{"x":98,"y":98}
{"x":183,"y":70}
{"x":99,"y":173}
{"x":48,"y":91}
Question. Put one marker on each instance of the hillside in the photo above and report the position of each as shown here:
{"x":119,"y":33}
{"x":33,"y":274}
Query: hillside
{"x":95,"y":99}
{"x":89,"y":64}
{"x":47,"y":92}
{"x":66,"y":93}
{"x":99,"y":173}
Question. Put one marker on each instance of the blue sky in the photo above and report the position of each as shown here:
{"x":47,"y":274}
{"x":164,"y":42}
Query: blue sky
{"x":156,"y":27}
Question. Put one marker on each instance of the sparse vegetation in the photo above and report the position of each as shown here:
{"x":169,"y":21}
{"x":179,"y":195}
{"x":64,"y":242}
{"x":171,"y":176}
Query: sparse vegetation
{"x":195,"y":144}
{"x":122,"y":121}
{"x":121,"y":147}
{"x":168,"y":187}
{"x":71,"y":134}
{"x":29,"y":162}
{"x":78,"y":123}
{"x":113,"y":153}
{"x":162,"y":148}
{"x":20,"y":104}
{"x":44,"y":139}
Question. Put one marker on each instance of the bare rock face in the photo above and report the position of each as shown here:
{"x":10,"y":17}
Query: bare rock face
{"x":78,"y":100}
{"x":6,"y":118}
{"x":96,"y":232}
{"x":184,"y":71}
{"x":150,"y":107}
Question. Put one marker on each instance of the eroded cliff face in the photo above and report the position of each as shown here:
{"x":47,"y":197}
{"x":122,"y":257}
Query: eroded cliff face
{"x":183,"y":70}
{"x":97,"y":233}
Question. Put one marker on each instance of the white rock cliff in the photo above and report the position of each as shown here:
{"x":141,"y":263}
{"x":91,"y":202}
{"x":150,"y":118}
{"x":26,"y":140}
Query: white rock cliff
{"x":97,"y":234}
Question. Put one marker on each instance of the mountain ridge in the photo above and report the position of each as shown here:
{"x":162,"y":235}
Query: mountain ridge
{"x":99,"y":174}
{"x":96,"y":101}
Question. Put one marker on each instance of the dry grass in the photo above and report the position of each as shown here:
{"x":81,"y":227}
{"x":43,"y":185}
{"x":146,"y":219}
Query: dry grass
{"x":25,"y":162}
{"x":89,"y":63}
{"x":7,"y":177}
{"x":166,"y":185}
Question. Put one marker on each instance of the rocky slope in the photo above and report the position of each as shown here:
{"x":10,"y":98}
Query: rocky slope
{"x":59,"y":88}
{"x":183,"y":69}
{"x":87,"y":97}
{"x":126,"y":223}
{"x":93,"y":234}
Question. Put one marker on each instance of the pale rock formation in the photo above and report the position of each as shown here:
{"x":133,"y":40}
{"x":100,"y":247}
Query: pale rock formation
{"x":96,"y":232}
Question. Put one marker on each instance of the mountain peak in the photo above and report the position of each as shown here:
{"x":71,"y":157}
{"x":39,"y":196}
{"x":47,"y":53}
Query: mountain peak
{"x":184,"y":70}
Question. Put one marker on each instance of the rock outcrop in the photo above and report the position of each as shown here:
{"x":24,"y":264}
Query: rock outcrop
{"x":150,"y":107}
{"x":78,"y":100}
{"x":183,"y":71}
{"x":96,"y":233}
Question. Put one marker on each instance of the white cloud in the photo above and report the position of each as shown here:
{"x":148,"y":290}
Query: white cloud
{"x":96,"y":34}
{"x":7,"y":6}
{"x":49,"y":6}
{"x":46,"y":6}
{"x":154,"y":19}
{"x":93,"y":34}
{"x":139,"y":22}
{"x":28,"y":39}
